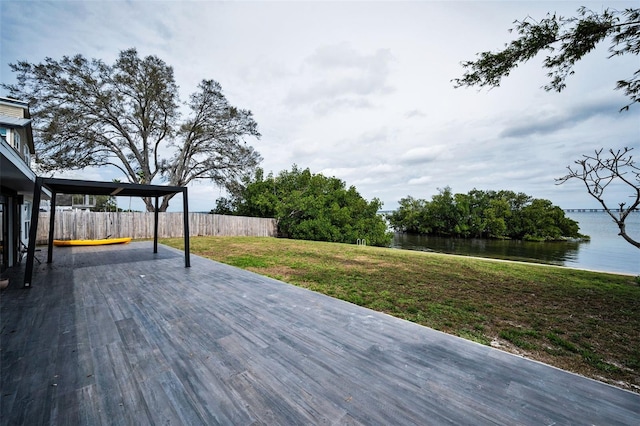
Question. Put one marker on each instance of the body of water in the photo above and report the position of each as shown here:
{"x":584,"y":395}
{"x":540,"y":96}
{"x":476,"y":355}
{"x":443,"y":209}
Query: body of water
{"x":606,"y":251}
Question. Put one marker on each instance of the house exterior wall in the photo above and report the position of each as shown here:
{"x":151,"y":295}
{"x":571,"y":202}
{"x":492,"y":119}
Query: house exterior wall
{"x":9,"y":110}
{"x":17,"y":139}
{"x":16,"y":180}
{"x":15,"y":135}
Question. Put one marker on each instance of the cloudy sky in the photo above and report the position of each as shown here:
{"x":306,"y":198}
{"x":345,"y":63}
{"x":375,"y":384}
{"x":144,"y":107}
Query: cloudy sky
{"x":360,"y":90}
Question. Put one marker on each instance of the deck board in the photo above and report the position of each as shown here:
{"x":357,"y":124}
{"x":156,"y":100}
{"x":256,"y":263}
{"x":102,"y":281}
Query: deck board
{"x":119,"y":335}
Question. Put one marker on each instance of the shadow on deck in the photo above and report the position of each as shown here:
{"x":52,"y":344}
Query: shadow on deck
{"x":119,"y":335}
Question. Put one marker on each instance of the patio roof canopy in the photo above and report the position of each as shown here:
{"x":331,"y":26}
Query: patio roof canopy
{"x":88,"y":187}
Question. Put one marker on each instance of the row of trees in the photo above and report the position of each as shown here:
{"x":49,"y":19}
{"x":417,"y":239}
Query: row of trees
{"x":308,"y":206}
{"x":484,"y":214}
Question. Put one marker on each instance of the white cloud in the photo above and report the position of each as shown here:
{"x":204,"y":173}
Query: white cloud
{"x":420,"y":181}
{"x":422,"y":154}
{"x":553,"y":118}
{"x":415,"y":113}
{"x":337,"y":77}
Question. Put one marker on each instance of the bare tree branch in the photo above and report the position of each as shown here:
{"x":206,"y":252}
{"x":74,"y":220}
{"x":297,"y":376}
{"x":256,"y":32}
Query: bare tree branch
{"x":598,"y":171}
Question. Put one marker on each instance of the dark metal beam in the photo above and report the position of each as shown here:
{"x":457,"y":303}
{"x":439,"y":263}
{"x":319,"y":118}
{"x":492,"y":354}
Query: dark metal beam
{"x":52,"y":222}
{"x":155,"y":227}
{"x":185,"y":214}
{"x":33,"y":232}
{"x":88,"y":187}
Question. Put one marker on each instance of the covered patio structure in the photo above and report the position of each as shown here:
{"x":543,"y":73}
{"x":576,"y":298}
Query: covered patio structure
{"x":87,"y":187}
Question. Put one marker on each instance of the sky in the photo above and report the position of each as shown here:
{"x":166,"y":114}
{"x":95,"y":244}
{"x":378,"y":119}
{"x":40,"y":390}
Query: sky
{"x":360,"y":90}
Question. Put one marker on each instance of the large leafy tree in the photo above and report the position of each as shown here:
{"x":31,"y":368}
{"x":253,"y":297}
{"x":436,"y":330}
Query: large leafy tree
{"x":566,"y":41}
{"x":91,"y":114}
{"x":309,"y":207}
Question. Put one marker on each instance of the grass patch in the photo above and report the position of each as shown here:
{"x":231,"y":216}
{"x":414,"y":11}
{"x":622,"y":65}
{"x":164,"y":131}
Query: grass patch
{"x":633,"y":360}
{"x":475,"y":336}
{"x":523,"y":339}
{"x":247,"y":262}
{"x":562,"y":343}
{"x":581,"y":321}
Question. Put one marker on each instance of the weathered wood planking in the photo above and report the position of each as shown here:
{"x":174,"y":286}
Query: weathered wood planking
{"x":85,"y":225}
{"x":118,"y":335}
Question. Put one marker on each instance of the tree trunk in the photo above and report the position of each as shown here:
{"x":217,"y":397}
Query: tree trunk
{"x":623,"y":234}
{"x":165,"y":202}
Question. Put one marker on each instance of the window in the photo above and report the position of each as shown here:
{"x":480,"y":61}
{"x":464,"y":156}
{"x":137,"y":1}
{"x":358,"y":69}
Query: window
{"x":26,"y":215}
{"x":26,"y":154}
{"x":11,"y":137}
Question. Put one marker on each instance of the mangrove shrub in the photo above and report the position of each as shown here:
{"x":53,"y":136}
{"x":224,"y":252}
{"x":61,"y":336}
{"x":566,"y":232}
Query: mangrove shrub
{"x":484,"y":214}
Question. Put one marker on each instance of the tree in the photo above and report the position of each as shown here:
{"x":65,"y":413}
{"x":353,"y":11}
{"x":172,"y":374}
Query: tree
{"x":599,"y":171}
{"x":410,"y":216}
{"x":484,"y":214}
{"x":442,"y":212}
{"x":105,"y":203}
{"x":568,"y":40}
{"x":310,"y":207}
{"x":90,"y":114}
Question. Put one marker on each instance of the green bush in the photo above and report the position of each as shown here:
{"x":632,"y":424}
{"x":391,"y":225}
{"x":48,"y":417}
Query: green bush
{"x":309,"y":206}
{"x":484,"y":214}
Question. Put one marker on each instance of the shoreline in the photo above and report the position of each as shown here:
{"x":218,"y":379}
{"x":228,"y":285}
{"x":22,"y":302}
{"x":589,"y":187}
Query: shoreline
{"x":522,"y":262}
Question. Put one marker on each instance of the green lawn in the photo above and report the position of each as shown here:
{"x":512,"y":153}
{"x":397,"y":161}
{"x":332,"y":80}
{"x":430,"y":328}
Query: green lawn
{"x":580,"y":321}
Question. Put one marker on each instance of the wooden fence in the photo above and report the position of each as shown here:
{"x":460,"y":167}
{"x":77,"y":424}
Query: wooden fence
{"x":85,"y":225}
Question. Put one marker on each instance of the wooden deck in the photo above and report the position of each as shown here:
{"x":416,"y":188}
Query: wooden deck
{"x":118,"y":335}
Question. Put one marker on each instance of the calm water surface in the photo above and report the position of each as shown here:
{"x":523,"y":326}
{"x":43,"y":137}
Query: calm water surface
{"x":606,"y":251}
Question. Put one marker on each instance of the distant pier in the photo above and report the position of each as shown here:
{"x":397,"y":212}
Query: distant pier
{"x":595,"y":210}
{"x":565,"y":210}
